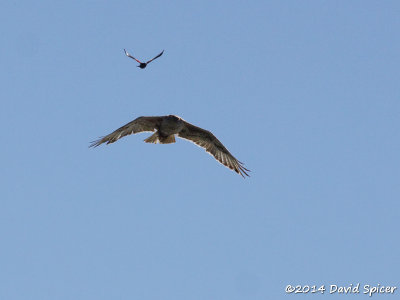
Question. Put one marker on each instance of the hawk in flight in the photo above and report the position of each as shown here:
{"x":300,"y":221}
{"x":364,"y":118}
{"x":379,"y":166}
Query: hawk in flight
{"x":166,"y":127}
{"x":143,"y":64}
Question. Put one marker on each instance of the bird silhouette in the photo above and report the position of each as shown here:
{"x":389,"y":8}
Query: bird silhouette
{"x":143,"y":64}
{"x":166,"y":127}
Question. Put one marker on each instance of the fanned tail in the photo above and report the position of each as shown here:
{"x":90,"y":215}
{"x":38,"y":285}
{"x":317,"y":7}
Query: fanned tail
{"x":155,"y":139}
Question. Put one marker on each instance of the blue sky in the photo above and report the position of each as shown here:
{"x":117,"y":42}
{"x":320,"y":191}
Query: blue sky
{"x":305,"y":93}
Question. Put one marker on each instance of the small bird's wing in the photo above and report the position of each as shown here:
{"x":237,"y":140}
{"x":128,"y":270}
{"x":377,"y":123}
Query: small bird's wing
{"x":140,"y":124}
{"x":127,"y":54}
{"x":212,"y":145}
{"x":155,"y":57}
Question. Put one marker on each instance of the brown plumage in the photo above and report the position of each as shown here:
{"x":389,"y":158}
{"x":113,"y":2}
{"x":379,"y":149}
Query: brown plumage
{"x":166,"y":127}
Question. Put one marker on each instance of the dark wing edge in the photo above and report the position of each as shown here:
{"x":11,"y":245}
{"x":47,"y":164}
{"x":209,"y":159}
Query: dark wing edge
{"x":214,"y":147}
{"x":155,"y":57}
{"x":141,"y":124}
{"x":127,"y":54}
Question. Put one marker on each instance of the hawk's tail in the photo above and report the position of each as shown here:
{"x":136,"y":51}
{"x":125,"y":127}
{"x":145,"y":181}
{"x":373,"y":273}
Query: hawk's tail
{"x":155,"y":139}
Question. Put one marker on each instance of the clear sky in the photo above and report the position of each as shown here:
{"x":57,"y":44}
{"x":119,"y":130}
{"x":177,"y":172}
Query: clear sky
{"x":305,"y":93}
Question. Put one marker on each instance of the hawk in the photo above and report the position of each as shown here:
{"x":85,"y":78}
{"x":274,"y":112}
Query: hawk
{"x":143,"y":64}
{"x":166,"y":127}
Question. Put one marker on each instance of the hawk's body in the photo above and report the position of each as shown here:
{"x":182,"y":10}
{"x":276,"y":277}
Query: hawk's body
{"x":166,"y":127}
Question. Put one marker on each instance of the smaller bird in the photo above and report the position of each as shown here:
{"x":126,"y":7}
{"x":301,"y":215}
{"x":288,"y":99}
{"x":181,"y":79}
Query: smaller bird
{"x":143,"y":64}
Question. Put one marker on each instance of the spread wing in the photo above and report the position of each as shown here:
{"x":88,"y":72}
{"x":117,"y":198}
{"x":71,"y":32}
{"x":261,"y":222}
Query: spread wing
{"x":140,"y":124}
{"x":155,"y":57}
{"x":212,"y":145}
{"x":127,"y":54}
